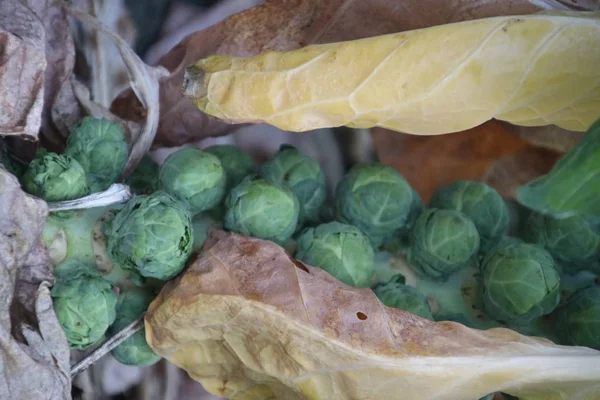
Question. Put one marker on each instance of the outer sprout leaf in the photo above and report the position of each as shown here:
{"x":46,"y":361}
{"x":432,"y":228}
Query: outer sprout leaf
{"x":573,"y":185}
{"x":247,"y":322}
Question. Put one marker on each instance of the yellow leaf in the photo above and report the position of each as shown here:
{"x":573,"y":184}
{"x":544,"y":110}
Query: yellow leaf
{"x":531,"y":70}
{"x":249,"y":322}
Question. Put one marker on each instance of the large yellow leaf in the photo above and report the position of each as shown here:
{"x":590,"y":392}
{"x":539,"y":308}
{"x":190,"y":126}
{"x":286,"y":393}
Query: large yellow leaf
{"x":249,"y":322}
{"x":532,"y":70}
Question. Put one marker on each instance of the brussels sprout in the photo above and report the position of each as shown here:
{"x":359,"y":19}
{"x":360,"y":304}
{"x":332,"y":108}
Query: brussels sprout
{"x":195,"y":177}
{"x":578,"y":319}
{"x":236,"y":163}
{"x":376,"y":199}
{"x":488,"y":397}
{"x":84,"y":302}
{"x":99,"y":146}
{"x":482,"y":204}
{"x":573,"y":184}
{"x":134,"y":350}
{"x":151,"y":235}
{"x":520,"y":283}
{"x":395,"y":293}
{"x":572,"y":241}
{"x":55,"y":177}
{"x":303,"y":175}
{"x":442,"y":242}
{"x":262,"y":209}
{"x":341,"y":250}
{"x":144,"y":178}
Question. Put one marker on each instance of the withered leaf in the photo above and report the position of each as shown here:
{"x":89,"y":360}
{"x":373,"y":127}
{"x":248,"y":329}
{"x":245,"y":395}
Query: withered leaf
{"x":429,"y":162}
{"x":36,"y":62}
{"x":34,"y":353}
{"x":289,"y":24}
{"x":248,"y":323}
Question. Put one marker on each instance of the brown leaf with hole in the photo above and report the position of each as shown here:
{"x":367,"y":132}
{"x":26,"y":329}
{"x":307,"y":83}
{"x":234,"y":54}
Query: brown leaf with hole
{"x":249,"y":323}
{"x":290,"y":24}
{"x":429,"y":162}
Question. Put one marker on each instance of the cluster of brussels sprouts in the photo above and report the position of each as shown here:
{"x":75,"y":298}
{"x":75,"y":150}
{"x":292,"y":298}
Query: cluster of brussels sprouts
{"x":94,"y":158}
{"x":374,"y":211}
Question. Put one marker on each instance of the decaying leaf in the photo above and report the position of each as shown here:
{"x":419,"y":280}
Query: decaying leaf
{"x":429,"y":162}
{"x":510,"y":173}
{"x":532,"y":70}
{"x":285,"y":25}
{"x":34,"y":356}
{"x":249,"y":322}
{"x":36,"y":61}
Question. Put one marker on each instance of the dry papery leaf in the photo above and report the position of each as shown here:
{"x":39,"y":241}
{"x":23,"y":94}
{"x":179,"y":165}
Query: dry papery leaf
{"x":34,"y":354}
{"x":531,"y":70}
{"x":285,"y":25}
{"x":249,"y":322}
{"x":36,"y":61}
{"x":429,"y":162}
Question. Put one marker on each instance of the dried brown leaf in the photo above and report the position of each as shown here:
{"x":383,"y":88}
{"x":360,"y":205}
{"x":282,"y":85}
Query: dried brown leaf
{"x":428,"y":162}
{"x":289,"y":24}
{"x":34,"y":351}
{"x":550,"y":137}
{"x":36,"y":62}
{"x":249,"y":322}
{"x":508,"y":174}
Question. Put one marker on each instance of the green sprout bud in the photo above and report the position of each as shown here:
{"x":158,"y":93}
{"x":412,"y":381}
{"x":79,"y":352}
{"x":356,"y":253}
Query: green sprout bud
{"x":341,"y":250}
{"x":303,"y":175}
{"x":376,"y":199}
{"x":195,"y":177}
{"x":55,"y":177}
{"x":482,"y":204}
{"x":572,"y":241}
{"x":236,"y":163}
{"x":578,"y":319}
{"x":442,"y":242}
{"x":144,"y":179}
{"x":262,"y":209}
{"x":152,"y":235}
{"x":99,"y":146}
{"x":134,"y":350}
{"x":84,"y":302}
{"x":520,"y":283}
{"x":395,"y":293}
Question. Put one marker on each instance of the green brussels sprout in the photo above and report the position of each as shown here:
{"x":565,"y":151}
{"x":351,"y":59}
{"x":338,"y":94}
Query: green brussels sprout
{"x":376,"y":199}
{"x":488,"y":397}
{"x":395,"y":293}
{"x":519,"y":283}
{"x":578,"y":319}
{"x":99,"y":146}
{"x":573,"y":185}
{"x":482,"y":204}
{"x":144,"y":179}
{"x":84,"y":302}
{"x":236,"y":163}
{"x":55,"y":177}
{"x":303,"y":175}
{"x":259,"y":208}
{"x":195,"y":177}
{"x":341,"y":250}
{"x":442,"y":242}
{"x":152,"y":235}
{"x":132,"y":303}
{"x":572,"y":241}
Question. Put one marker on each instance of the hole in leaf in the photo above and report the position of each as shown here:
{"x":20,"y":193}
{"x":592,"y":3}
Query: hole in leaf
{"x":360,"y":315}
